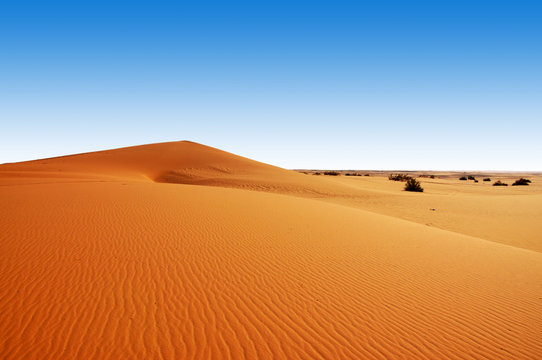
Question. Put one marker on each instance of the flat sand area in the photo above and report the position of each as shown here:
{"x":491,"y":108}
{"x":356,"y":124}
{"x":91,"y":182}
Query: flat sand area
{"x":182,"y":251}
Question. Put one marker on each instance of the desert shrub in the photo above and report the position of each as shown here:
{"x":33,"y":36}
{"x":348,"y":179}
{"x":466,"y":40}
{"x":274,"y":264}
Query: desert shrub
{"x":470,"y":177}
{"x":463,"y":178}
{"x":475,"y":180}
{"x":317,"y":173}
{"x":331,"y":173}
{"x":521,"y":181}
{"x":367,"y":175}
{"x":413,"y":185}
{"x":427,"y":176}
{"x":399,"y":177}
{"x":499,"y":183}
{"x":487,"y":179}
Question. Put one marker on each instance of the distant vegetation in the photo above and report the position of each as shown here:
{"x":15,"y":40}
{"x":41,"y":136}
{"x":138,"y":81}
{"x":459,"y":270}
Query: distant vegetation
{"x":470,"y":177}
{"x":413,"y":185}
{"x":463,"y":178}
{"x":521,"y":181}
{"x":367,"y":175}
{"x":427,"y":176}
{"x":352,"y":174}
{"x":487,"y":179}
{"x":499,"y":183}
{"x":317,"y":173}
{"x":399,"y":177}
{"x":331,"y":173}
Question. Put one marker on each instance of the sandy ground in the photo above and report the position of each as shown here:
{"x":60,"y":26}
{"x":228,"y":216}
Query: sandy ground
{"x":506,"y":214}
{"x":181,"y":251}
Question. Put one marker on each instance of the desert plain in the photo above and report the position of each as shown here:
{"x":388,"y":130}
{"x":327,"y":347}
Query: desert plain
{"x":182,"y":251}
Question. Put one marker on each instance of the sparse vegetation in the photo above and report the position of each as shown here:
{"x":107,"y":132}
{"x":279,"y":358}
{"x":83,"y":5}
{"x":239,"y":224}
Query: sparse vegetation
{"x":499,"y":183}
{"x":332,"y":173}
{"x":399,"y":177}
{"x":521,"y":181}
{"x":367,"y":175}
{"x":463,"y":178}
{"x":470,"y":177}
{"x":487,"y":179}
{"x":427,"y":176}
{"x":352,"y":174}
{"x":317,"y":173}
{"x":475,"y":180}
{"x":413,"y":185}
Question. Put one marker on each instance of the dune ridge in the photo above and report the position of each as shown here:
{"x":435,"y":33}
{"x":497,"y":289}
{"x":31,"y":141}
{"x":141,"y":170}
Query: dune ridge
{"x":176,"y":162}
{"x":134,"y":261}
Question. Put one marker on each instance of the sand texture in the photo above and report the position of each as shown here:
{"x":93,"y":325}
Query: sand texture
{"x":181,"y":251}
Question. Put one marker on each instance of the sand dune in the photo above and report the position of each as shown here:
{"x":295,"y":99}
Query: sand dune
{"x":103,"y":257}
{"x":181,"y":162}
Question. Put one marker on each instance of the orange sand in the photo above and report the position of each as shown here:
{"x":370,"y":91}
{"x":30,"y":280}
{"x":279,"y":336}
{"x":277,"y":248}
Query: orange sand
{"x":103,"y":257}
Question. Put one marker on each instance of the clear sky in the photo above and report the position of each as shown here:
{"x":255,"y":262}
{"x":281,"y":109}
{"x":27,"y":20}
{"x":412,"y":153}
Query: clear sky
{"x":299,"y":84}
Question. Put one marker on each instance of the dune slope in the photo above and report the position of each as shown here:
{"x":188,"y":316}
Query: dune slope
{"x":132,"y":268}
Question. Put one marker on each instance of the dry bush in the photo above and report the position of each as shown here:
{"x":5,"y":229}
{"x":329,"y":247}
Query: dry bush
{"x":521,"y":181}
{"x":399,"y":177}
{"x":413,"y":185}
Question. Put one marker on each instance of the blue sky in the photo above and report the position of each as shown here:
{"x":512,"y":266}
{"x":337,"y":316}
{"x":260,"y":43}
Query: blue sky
{"x":442,"y":85}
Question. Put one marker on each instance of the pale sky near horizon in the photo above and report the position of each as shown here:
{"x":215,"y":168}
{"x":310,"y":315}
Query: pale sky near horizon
{"x":447,"y":85}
